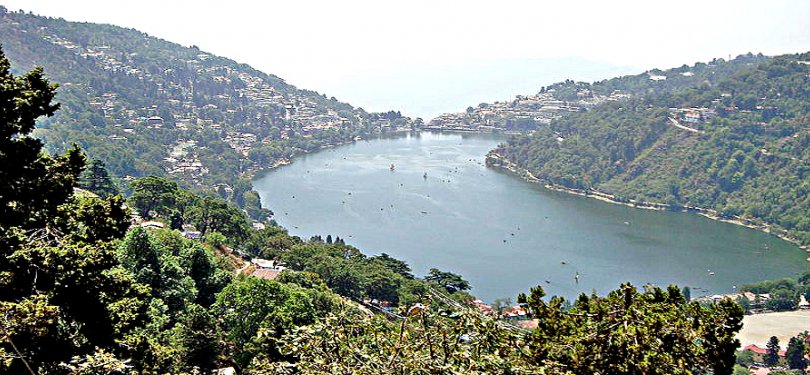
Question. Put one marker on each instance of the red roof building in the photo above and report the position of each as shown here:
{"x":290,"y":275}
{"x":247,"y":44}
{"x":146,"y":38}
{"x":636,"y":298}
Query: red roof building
{"x":264,"y":273}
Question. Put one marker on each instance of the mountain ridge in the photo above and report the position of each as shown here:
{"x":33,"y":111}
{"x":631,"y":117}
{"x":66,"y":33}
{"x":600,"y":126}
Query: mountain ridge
{"x":147,"y":106}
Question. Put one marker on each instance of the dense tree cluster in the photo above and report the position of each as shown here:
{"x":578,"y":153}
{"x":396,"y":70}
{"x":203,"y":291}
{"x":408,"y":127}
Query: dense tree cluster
{"x":627,"y":332}
{"x":784,"y":293}
{"x":343,"y":268}
{"x":156,"y":197}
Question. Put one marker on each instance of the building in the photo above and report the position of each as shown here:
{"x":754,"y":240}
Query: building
{"x":759,"y":353}
{"x":263,"y":263}
{"x":267,"y":274}
{"x":154,"y":122}
{"x":516,"y":313}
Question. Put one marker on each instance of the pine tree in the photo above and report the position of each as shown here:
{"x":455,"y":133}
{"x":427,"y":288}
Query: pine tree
{"x":96,"y":179}
{"x":772,"y":355}
{"x":795,"y":354}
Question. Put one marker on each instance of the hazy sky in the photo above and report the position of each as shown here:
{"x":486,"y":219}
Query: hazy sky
{"x":362,"y":51}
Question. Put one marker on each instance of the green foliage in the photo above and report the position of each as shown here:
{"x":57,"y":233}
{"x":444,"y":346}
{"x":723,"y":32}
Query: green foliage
{"x":61,"y":291}
{"x":795,"y":354}
{"x":627,"y":331}
{"x":96,"y":179}
{"x":771,"y":357}
{"x":216,"y":239}
{"x":740,"y":370}
{"x":748,"y":161}
{"x":393,"y":264}
{"x":154,"y":196}
{"x":448,"y":280}
{"x":745,"y":358}
{"x":159,"y":197}
{"x":784,"y":292}
{"x":426,"y":342}
{"x":343,"y":268}
{"x":155,"y":265}
{"x":256,"y":312}
{"x":270,"y":242}
{"x":184,"y":279}
{"x":216,"y":215}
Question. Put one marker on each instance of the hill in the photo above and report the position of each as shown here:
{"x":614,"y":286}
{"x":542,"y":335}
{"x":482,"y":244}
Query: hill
{"x":735,"y":147}
{"x":528,"y":112}
{"x":146,"y":106}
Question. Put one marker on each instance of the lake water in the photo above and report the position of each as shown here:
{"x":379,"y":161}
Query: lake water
{"x":504,"y":234}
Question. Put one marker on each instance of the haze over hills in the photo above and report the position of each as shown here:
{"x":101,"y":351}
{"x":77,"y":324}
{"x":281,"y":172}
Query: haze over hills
{"x":417,"y":93}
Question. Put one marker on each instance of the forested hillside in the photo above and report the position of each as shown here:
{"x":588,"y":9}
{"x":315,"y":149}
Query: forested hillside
{"x":146,"y":106}
{"x":737,"y":145}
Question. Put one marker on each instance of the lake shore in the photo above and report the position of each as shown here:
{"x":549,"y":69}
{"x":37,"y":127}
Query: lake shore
{"x":495,"y":160}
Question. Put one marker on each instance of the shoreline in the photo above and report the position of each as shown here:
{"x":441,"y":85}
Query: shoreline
{"x":254,"y":174}
{"x":495,"y":160}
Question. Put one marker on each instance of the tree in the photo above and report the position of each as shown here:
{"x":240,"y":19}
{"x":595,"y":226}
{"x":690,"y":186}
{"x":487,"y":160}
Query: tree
{"x":201,"y":267}
{"x":626,"y":332}
{"x":216,"y":215}
{"x":255,"y":313}
{"x":772,"y":352}
{"x":687,"y":293}
{"x":27,"y":177}
{"x":427,"y":341}
{"x":501,"y":304}
{"x":382,"y":284}
{"x":96,"y":179}
{"x":745,"y":358}
{"x":153,"y":196}
{"x":782,"y":300}
{"x":393,"y":264}
{"x":200,"y":337}
{"x":153,"y":264}
{"x":62,"y":293}
{"x":450,"y":281}
{"x":795,"y":354}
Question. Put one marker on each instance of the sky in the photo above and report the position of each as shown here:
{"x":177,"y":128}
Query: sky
{"x":425,"y":57}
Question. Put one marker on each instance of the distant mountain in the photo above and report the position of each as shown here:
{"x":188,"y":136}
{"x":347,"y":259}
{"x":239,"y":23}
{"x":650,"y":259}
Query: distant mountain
{"x":731,"y":137}
{"x":148,"y":106}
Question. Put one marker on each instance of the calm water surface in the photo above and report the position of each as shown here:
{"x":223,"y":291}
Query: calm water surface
{"x":501,"y":233}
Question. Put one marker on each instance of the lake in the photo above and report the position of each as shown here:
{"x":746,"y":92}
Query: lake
{"x":504,"y":234}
